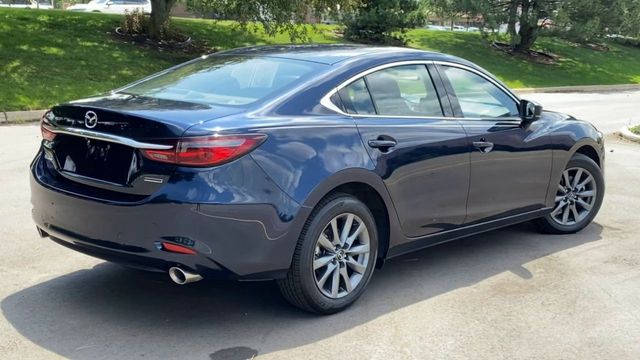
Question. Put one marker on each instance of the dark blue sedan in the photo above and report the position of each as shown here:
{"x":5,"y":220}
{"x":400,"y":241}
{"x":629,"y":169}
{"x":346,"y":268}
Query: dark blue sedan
{"x":310,"y":165}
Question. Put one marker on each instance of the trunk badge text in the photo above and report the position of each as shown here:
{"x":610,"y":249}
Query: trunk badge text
{"x":90,"y":119}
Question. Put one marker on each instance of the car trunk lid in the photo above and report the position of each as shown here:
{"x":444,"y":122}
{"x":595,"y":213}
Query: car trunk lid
{"x":98,"y":142}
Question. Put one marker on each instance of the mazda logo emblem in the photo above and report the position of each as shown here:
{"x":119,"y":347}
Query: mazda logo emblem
{"x":90,"y":119}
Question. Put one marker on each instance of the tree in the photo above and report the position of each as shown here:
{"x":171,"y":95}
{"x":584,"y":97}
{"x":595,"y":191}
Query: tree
{"x":584,"y":20}
{"x":524,"y":18}
{"x":380,"y":21}
{"x":450,"y":9}
{"x":159,"y":19}
{"x":275,"y":16}
{"x":629,"y":16}
{"x":533,"y":14}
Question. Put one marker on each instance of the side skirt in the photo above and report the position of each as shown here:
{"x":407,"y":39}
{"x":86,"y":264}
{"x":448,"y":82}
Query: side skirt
{"x":450,"y":235}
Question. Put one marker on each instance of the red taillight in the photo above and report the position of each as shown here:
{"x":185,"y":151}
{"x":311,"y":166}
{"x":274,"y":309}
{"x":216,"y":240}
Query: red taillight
{"x":206,"y":151}
{"x":46,"y":133}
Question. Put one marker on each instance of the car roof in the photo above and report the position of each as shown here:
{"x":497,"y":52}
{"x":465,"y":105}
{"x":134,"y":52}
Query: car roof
{"x":331,"y":54}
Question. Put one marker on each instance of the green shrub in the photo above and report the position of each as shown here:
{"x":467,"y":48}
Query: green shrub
{"x":383,"y":21}
{"x":135,"y":22}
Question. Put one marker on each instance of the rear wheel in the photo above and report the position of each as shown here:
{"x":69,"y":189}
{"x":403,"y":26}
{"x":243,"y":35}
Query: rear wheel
{"x":334,"y":258}
{"x":578,"y":197}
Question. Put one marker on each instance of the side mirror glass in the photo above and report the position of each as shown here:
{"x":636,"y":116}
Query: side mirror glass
{"x":530,"y":110}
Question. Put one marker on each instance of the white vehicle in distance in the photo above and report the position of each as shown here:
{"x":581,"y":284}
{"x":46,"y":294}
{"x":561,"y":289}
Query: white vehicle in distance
{"x":113,"y":6}
{"x":455,"y":28}
{"x":27,"y":4}
{"x":437,"y":27}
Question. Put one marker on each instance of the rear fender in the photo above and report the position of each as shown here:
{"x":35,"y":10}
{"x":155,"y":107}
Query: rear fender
{"x":348,"y":176}
{"x":308,"y":162}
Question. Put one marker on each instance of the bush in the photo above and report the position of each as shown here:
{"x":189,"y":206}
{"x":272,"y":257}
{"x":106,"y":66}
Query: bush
{"x":586,"y":33}
{"x":383,"y":21}
{"x":135,"y":22}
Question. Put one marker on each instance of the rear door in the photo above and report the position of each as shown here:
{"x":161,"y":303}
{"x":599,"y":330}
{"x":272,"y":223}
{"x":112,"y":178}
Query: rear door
{"x":421,"y":155}
{"x":510,"y":161}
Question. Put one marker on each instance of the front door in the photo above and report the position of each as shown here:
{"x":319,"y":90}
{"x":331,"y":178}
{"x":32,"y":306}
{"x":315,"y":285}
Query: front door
{"x":422,"y":157}
{"x":510,"y":160}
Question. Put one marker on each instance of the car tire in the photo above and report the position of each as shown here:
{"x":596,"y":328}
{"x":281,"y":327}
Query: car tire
{"x":310,"y":286}
{"x":573,"y":210}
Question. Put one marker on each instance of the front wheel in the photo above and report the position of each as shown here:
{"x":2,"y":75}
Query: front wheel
{"x":334,"y":258}
{"x":578,"y":197}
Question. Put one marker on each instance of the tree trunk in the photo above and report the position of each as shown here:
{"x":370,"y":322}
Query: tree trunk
{"x":529,"y":28}
{"x":511,"y":23}
{"x":160,"y":10}
{"x":528,"y":35}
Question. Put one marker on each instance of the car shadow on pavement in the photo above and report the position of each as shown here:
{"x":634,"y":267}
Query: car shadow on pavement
{"x":113,"y":312}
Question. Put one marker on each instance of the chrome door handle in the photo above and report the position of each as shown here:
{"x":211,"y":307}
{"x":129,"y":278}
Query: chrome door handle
{"x":380,"y":143}
{"x":483,"y":146}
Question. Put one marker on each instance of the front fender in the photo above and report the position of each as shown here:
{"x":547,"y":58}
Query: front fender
{"x":568,"y":136}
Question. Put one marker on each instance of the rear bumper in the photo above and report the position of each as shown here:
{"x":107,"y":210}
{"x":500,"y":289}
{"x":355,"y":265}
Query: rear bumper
{"x":248,"y":231}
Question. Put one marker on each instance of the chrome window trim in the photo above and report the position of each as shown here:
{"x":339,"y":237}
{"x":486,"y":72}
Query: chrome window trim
{"x":481,"y":74}
{"x":326,"y":100}
{"x":105,"y":137}
{"x":327,"y":103}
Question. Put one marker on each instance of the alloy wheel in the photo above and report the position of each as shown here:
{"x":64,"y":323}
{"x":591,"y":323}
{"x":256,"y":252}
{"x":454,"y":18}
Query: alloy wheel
{"x":341,"y":255}
{"x":576,"y":196}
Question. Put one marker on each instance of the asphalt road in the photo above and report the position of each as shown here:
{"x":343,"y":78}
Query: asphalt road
{"x":607,"y":111}
{"x":507,"y":294}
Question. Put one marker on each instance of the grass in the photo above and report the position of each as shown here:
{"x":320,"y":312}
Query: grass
{"x":576,"y":65}
{"x":52,"y":56}
{"x":635,"y":129}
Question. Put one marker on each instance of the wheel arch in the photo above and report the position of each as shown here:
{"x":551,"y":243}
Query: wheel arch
{"x":372,"y":199}
{"x":367,"y":187}
{"x":587,"y":146}
{"x":589,"y":151}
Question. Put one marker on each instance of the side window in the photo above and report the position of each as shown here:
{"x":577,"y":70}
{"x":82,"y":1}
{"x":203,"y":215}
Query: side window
{"x":404,"y":91}
{"x":355,"y":98}
{"x":478,"y":97}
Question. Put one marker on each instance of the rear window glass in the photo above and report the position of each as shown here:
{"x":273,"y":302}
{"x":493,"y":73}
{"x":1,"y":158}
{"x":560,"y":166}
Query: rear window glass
{"x":225,"y":80}
{"x":356,"y":99}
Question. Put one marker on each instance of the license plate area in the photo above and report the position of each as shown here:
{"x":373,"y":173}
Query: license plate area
{"x":94,"y":159}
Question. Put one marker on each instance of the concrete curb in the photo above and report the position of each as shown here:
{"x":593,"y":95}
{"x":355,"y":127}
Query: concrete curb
{"x":586,"y":88}
{"x":626,"y":133}
{"x":20,"y":117}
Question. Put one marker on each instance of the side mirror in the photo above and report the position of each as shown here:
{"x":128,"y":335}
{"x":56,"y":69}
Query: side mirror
{"x":530,"y":110}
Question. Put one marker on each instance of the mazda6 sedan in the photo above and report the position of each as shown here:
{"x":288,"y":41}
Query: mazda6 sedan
{"x":310,"y":165}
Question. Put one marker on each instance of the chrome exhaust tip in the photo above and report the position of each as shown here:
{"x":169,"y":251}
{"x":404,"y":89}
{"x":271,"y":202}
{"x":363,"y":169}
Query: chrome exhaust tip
{"x":182,"y":277}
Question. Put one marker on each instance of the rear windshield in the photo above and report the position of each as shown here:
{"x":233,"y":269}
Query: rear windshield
{"x":225,"y":80}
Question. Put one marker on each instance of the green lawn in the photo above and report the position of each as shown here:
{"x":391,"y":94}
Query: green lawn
{"x":576,"y":65}
{"x":52,"y":56}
